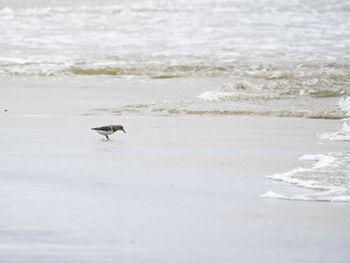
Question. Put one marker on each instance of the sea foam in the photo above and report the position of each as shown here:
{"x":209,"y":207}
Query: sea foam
{"x":238,"y":92}
{"x":6,"y":11}
{"x":329,"y":174}
{"x":344,"y":105}
{"x":342,"y":135}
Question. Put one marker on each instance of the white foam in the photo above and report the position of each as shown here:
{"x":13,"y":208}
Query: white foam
{"x":291,"y":178}
{"x":322,"y":160}
{"x":328,"y":196}
{"x":36,"y":65}
{"x":344,"y":105}
{"x":342,"y":135}
{"x":6,"y":11}
{"x":272,"y":194}
{"x":329,"y":174}
{"x":217,"y":95}
{"x":12,"y":60}
{"x":239,"y":91}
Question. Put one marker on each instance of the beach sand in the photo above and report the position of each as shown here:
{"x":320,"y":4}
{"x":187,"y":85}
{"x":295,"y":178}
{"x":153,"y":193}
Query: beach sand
{"x":179,"y":188}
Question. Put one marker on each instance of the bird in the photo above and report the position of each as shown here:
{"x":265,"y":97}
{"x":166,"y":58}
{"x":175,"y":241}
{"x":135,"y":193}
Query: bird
{"x":108,"y":130}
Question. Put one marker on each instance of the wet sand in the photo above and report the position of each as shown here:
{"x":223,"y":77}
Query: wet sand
{"x":173,"y":189}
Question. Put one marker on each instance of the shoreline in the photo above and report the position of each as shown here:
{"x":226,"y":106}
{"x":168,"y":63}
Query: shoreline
{"x":173,"y":189}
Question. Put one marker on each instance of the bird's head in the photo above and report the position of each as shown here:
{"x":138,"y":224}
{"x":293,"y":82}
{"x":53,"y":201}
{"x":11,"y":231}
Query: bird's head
{"x":118,"y":127}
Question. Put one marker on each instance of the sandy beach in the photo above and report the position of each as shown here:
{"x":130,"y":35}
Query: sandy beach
{"x":178,"y":188}
{"x":237,"y":131}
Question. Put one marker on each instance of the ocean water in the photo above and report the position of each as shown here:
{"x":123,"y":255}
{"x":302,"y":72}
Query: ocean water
{"x":271,"y":58}
{"x":280,"y":58}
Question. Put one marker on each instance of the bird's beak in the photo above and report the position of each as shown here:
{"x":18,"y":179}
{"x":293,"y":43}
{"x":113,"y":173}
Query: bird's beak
{"x":123,"y":130}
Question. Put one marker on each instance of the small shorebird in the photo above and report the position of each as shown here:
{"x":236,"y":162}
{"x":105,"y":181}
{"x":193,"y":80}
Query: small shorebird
{"x":108,"y":130}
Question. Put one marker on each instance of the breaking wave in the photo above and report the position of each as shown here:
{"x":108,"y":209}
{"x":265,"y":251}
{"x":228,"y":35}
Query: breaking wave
{"x":158,"y":67}
{"x":330,"y":175}
{"x":239,"y":91}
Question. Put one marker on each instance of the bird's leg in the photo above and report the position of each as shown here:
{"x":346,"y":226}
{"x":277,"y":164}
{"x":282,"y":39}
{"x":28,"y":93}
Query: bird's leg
{"x":107,"y":137}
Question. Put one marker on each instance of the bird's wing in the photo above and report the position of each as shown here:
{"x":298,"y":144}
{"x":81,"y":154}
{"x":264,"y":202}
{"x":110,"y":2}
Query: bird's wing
{"x":103,"y":128}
